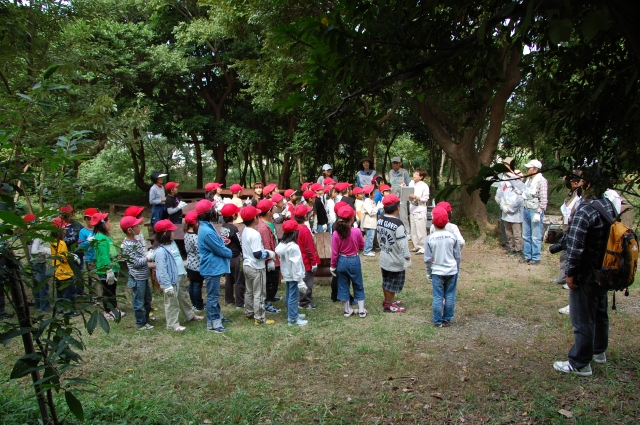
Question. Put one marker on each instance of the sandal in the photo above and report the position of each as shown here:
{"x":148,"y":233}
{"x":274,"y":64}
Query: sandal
{"x":179,"y":328}
{"x":363,"y":314}
{"x":197,"y":318}
{"x":349,"y":314}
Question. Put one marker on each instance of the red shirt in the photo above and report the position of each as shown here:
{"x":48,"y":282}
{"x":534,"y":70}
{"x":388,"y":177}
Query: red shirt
{"x":268,"y":240}
{"x":307,"y":248}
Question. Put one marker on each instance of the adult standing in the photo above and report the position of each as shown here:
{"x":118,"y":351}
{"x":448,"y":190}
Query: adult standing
{"x":398,"y":176}
{"x":418,"y":209}
{"x":586,"y":246}
{"x":157,"y":197}
{"x":504,"y":181}
{"x":365,"y":175}
{"x":567,"y":209}
{"x":327,"y":172}
{"x":535,"y":203}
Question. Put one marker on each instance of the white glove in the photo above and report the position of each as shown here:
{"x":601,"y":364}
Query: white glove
{"x":76,"y":259}
{"x":182,"y":204}
{"x":91,"y":238}
{"x":276,"y":216}
{"x":505,"y":210}
{"x":302,"y":287}
{"x":355,"y":224}
{"x":271,"y":266}
{"x":333,"y":271}
{"x":314,"y":268}
{"x":111,"y":277}
{"x":270,"y":254}
{"x":170,"y":292}
{"x":151,"y":255}
{"x":536,"y":218}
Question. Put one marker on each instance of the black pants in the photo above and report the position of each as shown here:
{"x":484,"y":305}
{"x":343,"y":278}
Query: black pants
{"x":273,"y":280}
{"x":109,"y":293}
{"x":334,"y":290}
{"x":590,"y":322}
{"x":234,"y":286}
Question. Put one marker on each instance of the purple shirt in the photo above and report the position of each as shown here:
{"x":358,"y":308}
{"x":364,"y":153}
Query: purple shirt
{"x":347,"y":246}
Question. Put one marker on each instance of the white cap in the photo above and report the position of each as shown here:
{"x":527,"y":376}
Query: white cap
{"x":327,"y":167}
{"x":396,"y":159}
{"x":162,"y":175}
{"x":534,"y":163}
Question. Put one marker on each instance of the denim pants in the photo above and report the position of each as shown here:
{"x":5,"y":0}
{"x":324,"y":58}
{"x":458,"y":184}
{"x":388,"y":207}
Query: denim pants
{"x":590,"y":322}
{"x":292,"y":301}
{"x":444,"y":287}
{"x":320,"y":228}
{"x":214,"y":315}
{"x":532,"y":235}
{"x":195,"y":289}
{"x":348,"y":270}
{"x":141,"y":294}
{"x":368,"y":241}
{"x":40,"y":286}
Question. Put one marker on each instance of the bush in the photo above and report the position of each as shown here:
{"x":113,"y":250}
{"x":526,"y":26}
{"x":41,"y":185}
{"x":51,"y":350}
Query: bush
{"x":102,"y":199}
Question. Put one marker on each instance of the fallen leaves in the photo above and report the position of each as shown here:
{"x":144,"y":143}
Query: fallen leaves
{"x":566,"y":413}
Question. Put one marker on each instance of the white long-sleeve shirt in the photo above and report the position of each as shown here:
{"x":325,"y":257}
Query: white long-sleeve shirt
{"x":450,"y":227}
{"x":442,"y":254}
{"x":421,"y":190}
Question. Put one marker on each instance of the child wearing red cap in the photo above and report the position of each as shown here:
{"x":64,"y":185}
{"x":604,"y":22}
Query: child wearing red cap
{"x":395,"y":257}
{"x":270,"y":240}
{"x":234,"y":286}
{"x":85,"y":237}
{"x":346,"y":242}
{"x":329,"y":204}
{"x":292,"y":271}
{"x":193,"y":260}
{"x":369,"y":219}
{"x":135,"y":255}
{"x":310,"y":257}
{"x":63,"y":275}
{"x":173,"y":203}
{"x":442,"y":258}
{"x":322,"y":219}
{"x":107,"y":266}
{"x":280,"y":210}
{"x":450,"y":227}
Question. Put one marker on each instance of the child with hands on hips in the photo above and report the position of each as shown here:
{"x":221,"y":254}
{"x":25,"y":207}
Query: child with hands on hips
{"x":292,"y":269}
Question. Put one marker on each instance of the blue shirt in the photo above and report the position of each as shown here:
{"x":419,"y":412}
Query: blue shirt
{"x":84,"y":244}
{"x":214,"y":256}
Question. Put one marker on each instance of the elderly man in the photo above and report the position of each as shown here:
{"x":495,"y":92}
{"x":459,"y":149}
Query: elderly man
{"x":398,"y":176}
{"x":535,"y":203}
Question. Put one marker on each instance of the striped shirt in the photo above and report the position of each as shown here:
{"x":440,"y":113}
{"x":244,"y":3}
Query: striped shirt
{"x":134,"y":254}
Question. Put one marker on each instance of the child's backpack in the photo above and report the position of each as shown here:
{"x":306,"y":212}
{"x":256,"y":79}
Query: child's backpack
{"x":621,"y":257}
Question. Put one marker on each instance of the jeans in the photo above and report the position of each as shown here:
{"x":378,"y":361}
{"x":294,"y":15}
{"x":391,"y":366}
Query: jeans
{"x":321,"y":228}
{"x":141,"y":293}
{"x":195,"y":289}
{"x":292,"y":301}
{"x":368,"y":241}
{"x":67,"y":291}
{"x":40,"y":286}
{"x":214,"y":315}
{"x":532,"y":235}
{"x":349,"y":269}
{"x":590,"y":322}
{"x":444,"y":287}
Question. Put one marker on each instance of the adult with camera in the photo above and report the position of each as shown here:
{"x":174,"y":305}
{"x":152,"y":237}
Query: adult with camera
{"x":535,"y":203}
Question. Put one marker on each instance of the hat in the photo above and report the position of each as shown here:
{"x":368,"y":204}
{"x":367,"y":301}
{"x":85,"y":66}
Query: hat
{"x":131,"y":211}
{"x":357,"y":190}
{"x":164,"y":226}
{"x":235,"y":188}
{"x":276,"y":197}
{"x":91,"y":211}
{"x":396,"y":159}
{"x":301,"y":210}
{"x":328,"y":181}
{"x":191,"y":217}
{"x":171,"y":185}
{"x":59,"y":223}
{"x":269,"y":188}
{"x":203,"y":206}
{"x":97,"y":218}
{"x":289,"y":226}
{"x":385,"y":187}
{"x":249,"y":212}
{"x":363,"y":160}
{"x":367,"y":189}
{"x":128,"y":222}
{"x":304,"y":186}
{"x":534,"y":163}
{"x":346,"y":212}
{"x":390,"y":199}
{"x":445,"y":205}
{"x":339,"y":205}
{"x":315,"y":187}
{"x":229,"y":210}
{"x":308,"y":194}
{"x":155,"y":176}
{"x":210,"y":187}
{"x":327,"y":189}
{"x":439,"y":217}
{"x":66,"y":208}
{"x":289,"y":192}
{"x":264,"y":205}
{"x":326,"y":167}
{"x":340,"y":187}
{"x":29,"y":218}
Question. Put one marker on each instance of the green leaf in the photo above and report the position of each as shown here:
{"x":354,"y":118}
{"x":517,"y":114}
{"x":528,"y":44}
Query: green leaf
{"x":560,"y":30}
{"x":74,"y":405}
{"x":49,"y":72}
{"x":93,"y":321}
{"x":593,"y":22}
{"x":59,"y":87}
{"x":23,"y":367}
{"x":103,"y":323}
{"x":24,"y":96}
{"x":6,"y":337}
{"x":13,"y":219}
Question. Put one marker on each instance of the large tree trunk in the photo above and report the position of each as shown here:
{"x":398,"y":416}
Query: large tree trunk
{"x":136,"y":149}
{"x":199,"y":169}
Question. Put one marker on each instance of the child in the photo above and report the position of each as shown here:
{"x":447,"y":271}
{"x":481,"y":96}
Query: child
{"x":136,"y":257}
{"x":342,"y":190}
{"x":193,"y":260}
{"x":236,"y":189}
{"x":442,"y":257}
{"x":214,"y":262}
{"x":280,"y":210}
{"x":136,"y":212}
{"x":329,"y":203}
{"x":369,"y":219}
{"x":234,"y":286}
{"x":310,"y":198}
{"x":173,"y":203}
{"x":319,"y":206}
{"x":292,"y":271}
{"x":85,"y":237}
{"x":63,"y":274}
{"x":269,"y":190}
{"x":106,"y":265}
{"x":269,"y":240}
{"x":172,"y":277}
{"x":450,"y":227}
{"x":254,"y":267}
{"x":290,"y":198}
{"x":346,"y":241}
{"x":310,"y":256}
{"x":359,"y":204}
{"x":394,"y":253}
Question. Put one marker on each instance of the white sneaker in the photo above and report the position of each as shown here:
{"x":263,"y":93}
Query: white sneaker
{"x":600,"y":358}
{"x":299,"y":322}
{"x":564,"y":310}
{"x":565,"y":367}
{"x":565,"y":286}
{"x":370,"y":254}
{"x":421,"y":251}
{"x":145,"y":327}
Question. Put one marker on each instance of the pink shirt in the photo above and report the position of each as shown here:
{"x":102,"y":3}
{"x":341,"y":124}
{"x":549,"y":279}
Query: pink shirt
{"x":347,"y":246}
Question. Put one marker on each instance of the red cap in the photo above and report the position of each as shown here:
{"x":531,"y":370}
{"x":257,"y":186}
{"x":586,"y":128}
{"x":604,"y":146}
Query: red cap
{"x":390,"y":199}
{"x":171,"y":185}
{"x":439,"y":217}
{"x":164,"y":226}
{"x":130,"y":212}
{"x":301,"y":210}
{"x":235,"y":188}
{"x":97,"y":218}
{"x":191,"y":217}
{"x":229,"y":210}
{"x":304,"y":186}
{"x":129,"y":221}
{"x":367,"y":189}
{"x":357,"y":190}
{"x":308,"y":194}
{"x":249,"y":212}
{"x":289,"y":192}
{"x":445,"y":205}
{"x":339,"y":205}
{"x":210,"y":187}
{"x":384,"y":187}
{"x":342,"y":186}
{"x":276,"y":197}
{"x":346,"y":212}
{"x":66,"y":208}
{"x":204,"y":206}
{"x":268,"y":188}
{"x":315,"y":187}
{"x":289,"y":226}
{"x":59,"y":223}
{"x":328,"y":180}
{"x":29,"y":218}
{"x":327,"y":189}
{"x":91,"y":211}
{"x":264,"y":205}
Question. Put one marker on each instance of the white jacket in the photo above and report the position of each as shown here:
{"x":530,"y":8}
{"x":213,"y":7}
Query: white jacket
{"x":291,"y":265}
{"x":370,"y":215}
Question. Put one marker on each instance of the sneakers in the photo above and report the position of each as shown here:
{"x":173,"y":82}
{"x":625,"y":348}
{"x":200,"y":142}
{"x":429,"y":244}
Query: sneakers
{"x":393,"y":308}
{"x":179,"y":328}
{"x":396,"y":303}
{"x":276,"y":299}
{"x":523,"y":260}
{"x":299,"y":322}
{"x":534,"y":262}
{"x":271,"y":309}
{"x":197,"y":318}
{"x":565,"y":367}
{"x":309,"y":307}
{"x":600,"y":358}
{"x":565,"y":286}
{"x":557,"y":281}
{"x":218,"y":330}
{"x":362,"y":314}
{"x":350,"y":313}
{"x":302,"y":316}
{"x":263,"y":322}
{"x":564,"y":310}
{"x":370,"y":254}
{"x":145,"y":327}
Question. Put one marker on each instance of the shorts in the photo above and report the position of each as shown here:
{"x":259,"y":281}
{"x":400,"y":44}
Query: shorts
{"x":392,"y":281}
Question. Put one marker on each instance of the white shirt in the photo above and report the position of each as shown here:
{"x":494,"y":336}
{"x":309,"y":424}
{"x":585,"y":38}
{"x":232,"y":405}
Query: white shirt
{"x":421,"y":190}
{"x":252,"y":242}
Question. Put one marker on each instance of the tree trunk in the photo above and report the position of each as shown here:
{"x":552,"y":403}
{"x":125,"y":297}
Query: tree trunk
{"x":283,"y":181}
{"x":136,"y":149}
{"x":243,"y":178}
{"x":374,"y":137}
{"x":300,"y":178}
